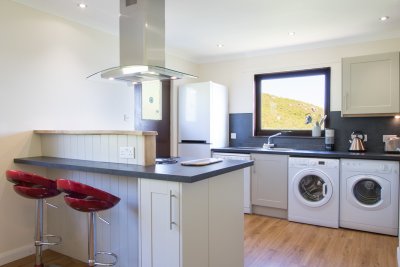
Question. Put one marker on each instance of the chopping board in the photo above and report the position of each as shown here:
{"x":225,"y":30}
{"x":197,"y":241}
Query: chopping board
{"x":200,"y":162}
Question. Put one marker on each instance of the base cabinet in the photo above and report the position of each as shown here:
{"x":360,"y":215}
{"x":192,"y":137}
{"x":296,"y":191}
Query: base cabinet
{"x":192,"y":224}
{"x":269,"y":181}
{"x":159,"y":224}
{"x":246,"y":177}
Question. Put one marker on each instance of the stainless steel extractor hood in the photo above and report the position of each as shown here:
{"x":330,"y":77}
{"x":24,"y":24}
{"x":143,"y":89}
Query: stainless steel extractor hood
{"x":142,"y":44}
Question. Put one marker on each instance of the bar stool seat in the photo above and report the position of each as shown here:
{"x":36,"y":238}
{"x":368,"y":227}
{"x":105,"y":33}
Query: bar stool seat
{"x":31,"y":185}
{"x":85,"y":198}
{"x":36,"y":187}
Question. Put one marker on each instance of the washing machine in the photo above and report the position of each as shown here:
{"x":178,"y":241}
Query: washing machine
{"x":313,"y":191}
{"x":369,"y":195}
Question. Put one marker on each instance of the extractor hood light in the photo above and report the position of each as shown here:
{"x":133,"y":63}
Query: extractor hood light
{"x":220,"y":45}
{"x":111,"y":79}
{"x":292,"y":33}
{"x":152,"y":73}
{"x":134,"y":69}
{"x":384,"y":18}
{"x":173,"y":78}
{"x":82,"y":5}
{"x":397,"y":117}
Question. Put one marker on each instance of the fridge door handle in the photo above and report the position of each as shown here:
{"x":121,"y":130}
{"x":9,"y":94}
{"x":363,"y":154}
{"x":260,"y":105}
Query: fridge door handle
{"x":194,"y":141}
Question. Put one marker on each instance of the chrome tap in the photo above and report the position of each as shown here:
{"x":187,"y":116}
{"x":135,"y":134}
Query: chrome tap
{"x":269,"y":145}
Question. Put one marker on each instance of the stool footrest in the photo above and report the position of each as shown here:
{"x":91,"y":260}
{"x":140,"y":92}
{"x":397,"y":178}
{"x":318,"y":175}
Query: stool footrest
{"x":109,"y":254}
{"x":46,"y":242}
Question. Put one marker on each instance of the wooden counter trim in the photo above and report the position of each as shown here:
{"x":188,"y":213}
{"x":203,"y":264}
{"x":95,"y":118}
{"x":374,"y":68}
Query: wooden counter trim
{"x":95,"y":132}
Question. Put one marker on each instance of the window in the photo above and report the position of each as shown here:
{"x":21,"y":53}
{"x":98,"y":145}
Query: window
{"x":283,"y":101}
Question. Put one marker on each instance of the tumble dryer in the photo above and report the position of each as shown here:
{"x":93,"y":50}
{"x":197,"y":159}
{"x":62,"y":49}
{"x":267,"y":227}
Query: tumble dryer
{"x":313,"y":193}
{"x":369,"y":195}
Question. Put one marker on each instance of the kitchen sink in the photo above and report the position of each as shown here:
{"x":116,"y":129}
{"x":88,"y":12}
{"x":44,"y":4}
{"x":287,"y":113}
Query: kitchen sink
{"x":277,"y":149}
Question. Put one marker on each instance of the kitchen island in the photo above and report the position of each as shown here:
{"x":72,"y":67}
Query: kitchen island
{"x":169,"y":214}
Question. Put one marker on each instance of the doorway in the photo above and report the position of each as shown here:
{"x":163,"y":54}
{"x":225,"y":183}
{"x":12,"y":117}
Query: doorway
{"x":162,"y":124}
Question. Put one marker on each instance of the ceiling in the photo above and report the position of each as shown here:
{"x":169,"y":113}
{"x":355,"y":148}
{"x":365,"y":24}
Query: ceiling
{"x":247,"y":27}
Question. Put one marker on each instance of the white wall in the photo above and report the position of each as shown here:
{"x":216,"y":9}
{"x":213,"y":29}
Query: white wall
{"x":238,"y":74}
{"x":176,"y":63}
{"x":43,"y":64}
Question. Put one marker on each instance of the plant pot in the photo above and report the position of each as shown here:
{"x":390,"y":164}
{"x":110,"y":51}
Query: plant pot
{"x":316,"y":131}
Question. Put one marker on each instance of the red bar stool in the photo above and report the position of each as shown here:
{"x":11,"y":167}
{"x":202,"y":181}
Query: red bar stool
{"x":85,"y":198}
{"x":36,"y":187}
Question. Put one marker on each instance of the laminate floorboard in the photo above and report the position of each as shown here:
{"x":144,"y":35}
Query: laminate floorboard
{"x":50,"y":259}
{"x":271,"y":242}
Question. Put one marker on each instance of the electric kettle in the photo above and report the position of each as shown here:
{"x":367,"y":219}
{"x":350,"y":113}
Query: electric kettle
{"x":357,"y":142}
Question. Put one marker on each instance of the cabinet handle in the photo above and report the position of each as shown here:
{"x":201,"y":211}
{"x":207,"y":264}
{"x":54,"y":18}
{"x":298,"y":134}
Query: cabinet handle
{"x":346,"y":106}
{"x":170,"y":210}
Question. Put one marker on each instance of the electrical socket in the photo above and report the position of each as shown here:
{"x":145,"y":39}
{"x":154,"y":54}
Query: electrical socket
{"x":387,"y":137}
{"x":127,"y":117}
{"x":233,"y":135}
{"x":126,"y":152}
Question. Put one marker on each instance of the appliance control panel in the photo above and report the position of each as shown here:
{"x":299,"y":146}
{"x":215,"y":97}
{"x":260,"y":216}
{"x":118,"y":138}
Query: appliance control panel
{"x":314,"y":162}
{"x":369,"y":166}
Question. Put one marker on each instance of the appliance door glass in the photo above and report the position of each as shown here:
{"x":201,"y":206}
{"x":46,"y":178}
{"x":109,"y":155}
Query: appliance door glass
{"x":312,"y":188}
{"x":367,"y":191}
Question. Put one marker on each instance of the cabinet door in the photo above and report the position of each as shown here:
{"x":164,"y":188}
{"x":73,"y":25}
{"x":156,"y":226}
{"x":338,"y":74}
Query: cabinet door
{"x":370,"y":85}
{"x":269,"y":180}
{"x":159,"y":223}
{"x":246,"y":177}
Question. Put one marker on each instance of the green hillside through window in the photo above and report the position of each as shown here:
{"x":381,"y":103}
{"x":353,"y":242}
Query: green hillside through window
{"x":280,"y":113}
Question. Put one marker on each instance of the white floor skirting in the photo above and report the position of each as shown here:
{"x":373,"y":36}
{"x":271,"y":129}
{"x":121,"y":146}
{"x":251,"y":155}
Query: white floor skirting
{"x":15,"y":254}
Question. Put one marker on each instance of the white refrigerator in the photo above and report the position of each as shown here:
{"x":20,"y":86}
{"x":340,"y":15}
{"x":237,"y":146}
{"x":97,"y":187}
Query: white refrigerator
{"x":203,"y":120}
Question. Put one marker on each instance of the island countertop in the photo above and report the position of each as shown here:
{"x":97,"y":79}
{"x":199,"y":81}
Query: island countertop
{"x":167,"y":172}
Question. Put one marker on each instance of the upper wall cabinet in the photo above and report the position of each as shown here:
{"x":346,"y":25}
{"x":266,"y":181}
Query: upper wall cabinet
{"x":370,"y":85}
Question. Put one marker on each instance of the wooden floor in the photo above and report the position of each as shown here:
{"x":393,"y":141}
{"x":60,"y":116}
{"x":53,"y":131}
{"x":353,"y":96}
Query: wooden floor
{"x":271,"y":242}
{"x":50,"y":258}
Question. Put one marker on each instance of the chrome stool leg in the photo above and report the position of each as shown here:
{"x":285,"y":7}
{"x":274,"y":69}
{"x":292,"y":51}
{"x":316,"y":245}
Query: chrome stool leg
{"x":92,"y":251}
{"x":39,"y":233}
{"x":39,"y":241}
{"x":91,"y":238}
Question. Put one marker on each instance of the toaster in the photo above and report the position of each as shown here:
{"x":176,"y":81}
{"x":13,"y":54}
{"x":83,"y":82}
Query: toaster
{"x":393,"y":145}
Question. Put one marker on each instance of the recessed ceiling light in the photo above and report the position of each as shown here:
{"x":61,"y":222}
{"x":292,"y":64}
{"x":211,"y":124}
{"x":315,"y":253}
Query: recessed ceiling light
{"x":220,"y":45}
{"x":291,"y":33}
{"x":82,"y":5}
{"x":383,"y":18}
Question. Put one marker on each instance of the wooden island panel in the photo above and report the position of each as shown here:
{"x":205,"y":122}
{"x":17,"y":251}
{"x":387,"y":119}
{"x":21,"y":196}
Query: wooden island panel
{"x":101,"y":146}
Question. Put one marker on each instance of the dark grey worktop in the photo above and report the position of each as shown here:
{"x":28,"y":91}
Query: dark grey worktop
{"x":167,"y":172}
{"x":311,"y":153}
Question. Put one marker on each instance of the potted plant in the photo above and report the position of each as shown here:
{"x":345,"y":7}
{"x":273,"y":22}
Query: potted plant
{"x":316,"y":129}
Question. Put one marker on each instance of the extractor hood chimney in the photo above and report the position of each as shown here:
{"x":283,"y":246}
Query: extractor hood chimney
{"x":142,"y":44}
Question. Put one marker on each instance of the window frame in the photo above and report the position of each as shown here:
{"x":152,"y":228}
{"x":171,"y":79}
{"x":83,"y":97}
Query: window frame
{"x":289,"y":74}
